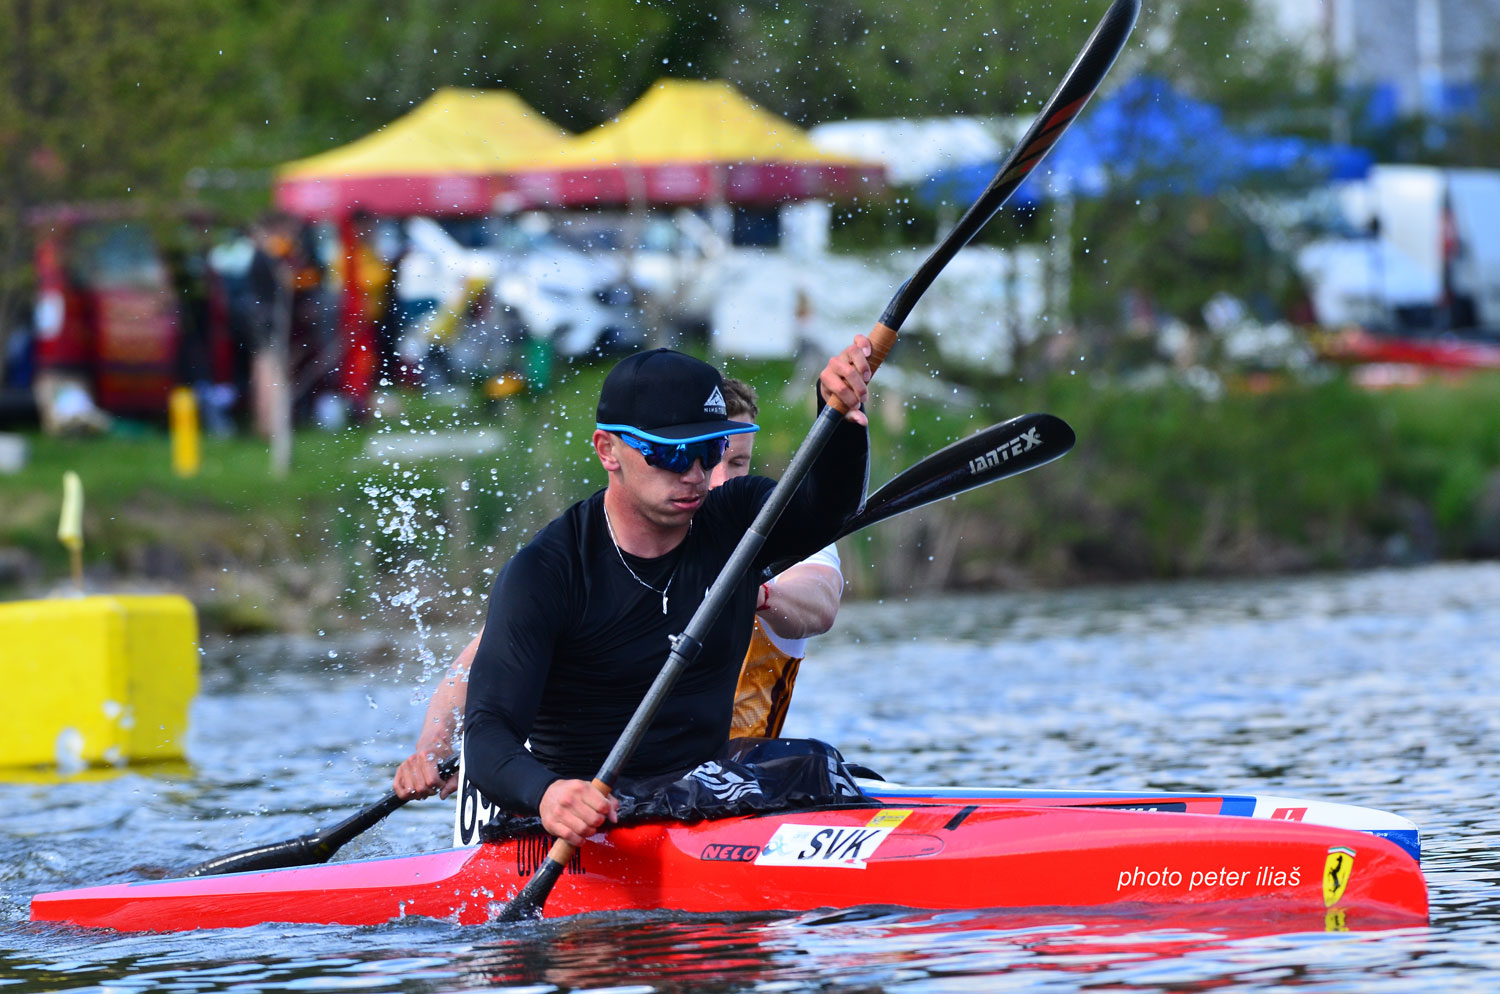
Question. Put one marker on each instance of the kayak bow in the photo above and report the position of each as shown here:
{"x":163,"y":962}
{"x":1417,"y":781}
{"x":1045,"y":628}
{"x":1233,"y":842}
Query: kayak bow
{"x":1402,"y":831}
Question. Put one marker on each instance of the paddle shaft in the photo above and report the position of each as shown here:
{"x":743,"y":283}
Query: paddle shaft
{"x":1078,"y":85}
{"x":1080,"y":82}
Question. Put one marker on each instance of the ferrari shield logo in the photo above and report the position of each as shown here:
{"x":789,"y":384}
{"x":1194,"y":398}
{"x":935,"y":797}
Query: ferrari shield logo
{"x":1336,"y":870}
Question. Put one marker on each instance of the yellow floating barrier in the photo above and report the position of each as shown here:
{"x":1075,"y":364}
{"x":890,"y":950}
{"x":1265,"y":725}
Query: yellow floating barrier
{"x":96,"y":680}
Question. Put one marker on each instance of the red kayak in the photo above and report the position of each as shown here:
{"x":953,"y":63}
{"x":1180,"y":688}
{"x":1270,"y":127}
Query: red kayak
{"x":928,"y":855}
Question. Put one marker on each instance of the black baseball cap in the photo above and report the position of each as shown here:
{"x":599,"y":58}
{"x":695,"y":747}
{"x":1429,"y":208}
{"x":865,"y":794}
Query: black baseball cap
{"x":665,"y":396}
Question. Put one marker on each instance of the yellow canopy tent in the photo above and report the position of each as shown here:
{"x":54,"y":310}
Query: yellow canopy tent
{"x":447,"y":156}
{"x":691,"y":142}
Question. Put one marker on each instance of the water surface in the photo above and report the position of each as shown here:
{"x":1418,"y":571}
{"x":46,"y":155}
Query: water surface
{"x":1374,"y":688}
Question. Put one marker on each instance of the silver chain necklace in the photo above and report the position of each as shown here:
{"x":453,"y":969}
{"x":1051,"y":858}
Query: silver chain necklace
{"x":663,"y":591}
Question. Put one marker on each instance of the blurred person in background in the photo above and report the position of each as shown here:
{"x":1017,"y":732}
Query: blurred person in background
{"x":267,"y":318}
{"x":205,"y":360}
{"x":365,"y":278}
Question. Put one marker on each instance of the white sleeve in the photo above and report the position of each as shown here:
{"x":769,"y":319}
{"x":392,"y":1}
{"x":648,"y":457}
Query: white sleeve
{"x":826,"y":556}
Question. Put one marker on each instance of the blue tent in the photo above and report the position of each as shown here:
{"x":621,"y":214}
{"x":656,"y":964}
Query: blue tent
{"x":1149,"y":138}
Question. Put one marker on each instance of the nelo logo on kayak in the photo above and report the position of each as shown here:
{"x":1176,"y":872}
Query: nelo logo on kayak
{"x":820,"y":845}
{"x":1006,"y":452}
{"x":720,"y":852}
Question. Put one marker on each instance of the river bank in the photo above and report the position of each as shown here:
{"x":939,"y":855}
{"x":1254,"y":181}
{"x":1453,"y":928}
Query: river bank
{"x":404,"y":520}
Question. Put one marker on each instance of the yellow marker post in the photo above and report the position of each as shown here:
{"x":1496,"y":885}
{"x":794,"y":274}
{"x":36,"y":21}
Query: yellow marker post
{"x":503,"y":386}
{"x":182,"y":417}
{"x":96,"y":681}
{"x":70,"y":524}
{"x":92,"y":681}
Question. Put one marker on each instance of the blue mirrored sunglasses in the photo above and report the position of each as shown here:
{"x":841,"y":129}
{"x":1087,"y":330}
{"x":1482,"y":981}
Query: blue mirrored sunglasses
{"x":679,"y":458}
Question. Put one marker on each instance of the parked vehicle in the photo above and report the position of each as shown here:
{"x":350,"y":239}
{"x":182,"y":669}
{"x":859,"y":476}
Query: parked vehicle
{"x":106,"y":313}
{"x":495,"y":284}
{"x":675,"y":258}
{"x":1419,"y":252}
{"x":568,"y":288}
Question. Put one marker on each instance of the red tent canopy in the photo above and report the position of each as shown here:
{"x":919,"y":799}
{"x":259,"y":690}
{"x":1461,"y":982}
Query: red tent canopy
{"x":447,"y":156}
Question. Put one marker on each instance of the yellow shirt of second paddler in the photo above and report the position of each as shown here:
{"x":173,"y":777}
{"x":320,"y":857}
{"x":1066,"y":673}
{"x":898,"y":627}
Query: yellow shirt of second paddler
{"x":769,"y":673}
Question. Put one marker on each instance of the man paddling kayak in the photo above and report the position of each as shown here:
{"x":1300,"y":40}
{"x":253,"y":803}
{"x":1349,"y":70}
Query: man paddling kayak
{"x":580,"y":620}
{"x":792,"y":607}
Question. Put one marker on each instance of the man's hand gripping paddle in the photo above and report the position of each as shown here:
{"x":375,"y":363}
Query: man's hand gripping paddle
{"x":1080,"y":82}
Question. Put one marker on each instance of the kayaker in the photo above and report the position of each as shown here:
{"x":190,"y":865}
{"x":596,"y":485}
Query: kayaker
{"x":792,"y":607}
{"x":580,"y":618}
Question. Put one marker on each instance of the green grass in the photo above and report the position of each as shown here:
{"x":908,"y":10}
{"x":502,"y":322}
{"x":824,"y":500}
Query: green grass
{"x":1162,"y":483}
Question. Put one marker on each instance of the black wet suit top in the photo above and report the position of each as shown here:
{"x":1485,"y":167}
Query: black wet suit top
{"x":572,"y":641}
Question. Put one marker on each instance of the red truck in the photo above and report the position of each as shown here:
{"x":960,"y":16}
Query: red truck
{"x":107,"y":311}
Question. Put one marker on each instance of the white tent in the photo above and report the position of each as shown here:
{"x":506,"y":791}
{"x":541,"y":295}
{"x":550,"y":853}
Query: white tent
{"x":911,"y":149}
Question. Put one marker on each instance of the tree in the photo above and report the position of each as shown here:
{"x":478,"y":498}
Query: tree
{"x":843,"y":58}
{"x":1156,"y":234}
{"x":105,"y":100}
{"x":128,"y":98}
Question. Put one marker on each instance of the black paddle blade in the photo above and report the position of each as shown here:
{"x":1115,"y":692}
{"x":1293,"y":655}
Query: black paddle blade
{"x":1002,"y":450}
{"x":529,"y":902}
{"x":304,"y":850}
{"x":999,"y":451}
{"x":314,"y":847}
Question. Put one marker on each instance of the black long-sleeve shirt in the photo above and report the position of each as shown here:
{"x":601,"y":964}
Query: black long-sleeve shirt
{"x":573,"y":641}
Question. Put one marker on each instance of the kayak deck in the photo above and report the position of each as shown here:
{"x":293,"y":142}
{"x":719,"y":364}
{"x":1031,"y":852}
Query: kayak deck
{"x":1402,"y":831}
{"x":928,"y":855}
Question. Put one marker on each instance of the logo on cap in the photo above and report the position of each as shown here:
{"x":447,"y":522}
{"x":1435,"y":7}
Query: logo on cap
{"x":715,"y":404}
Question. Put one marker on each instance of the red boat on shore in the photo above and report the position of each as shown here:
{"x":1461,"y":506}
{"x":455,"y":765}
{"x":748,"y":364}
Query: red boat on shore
{"x":1448,"y":352}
